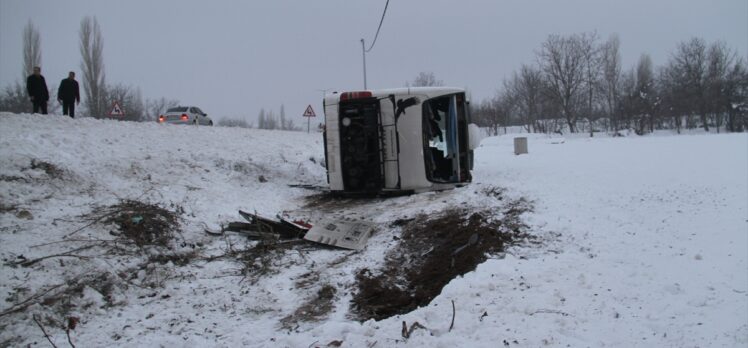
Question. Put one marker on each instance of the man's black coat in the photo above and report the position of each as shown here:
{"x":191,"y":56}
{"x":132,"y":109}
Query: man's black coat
{"x":68,"y":91}
{"x":37,"y":88}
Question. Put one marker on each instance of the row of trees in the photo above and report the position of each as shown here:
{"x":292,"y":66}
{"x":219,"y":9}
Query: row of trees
{"x":577,"y":83}
{"x":265,"y":120}
{"x":97,"y":96}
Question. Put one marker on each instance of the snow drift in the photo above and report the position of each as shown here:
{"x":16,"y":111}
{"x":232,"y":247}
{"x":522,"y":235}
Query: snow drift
{"x":643,"y":241}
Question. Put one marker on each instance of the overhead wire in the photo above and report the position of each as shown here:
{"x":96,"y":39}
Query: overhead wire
{"x":380,"y":26}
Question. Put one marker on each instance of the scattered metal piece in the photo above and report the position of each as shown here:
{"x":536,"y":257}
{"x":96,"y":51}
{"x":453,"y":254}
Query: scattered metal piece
{"x":259,"y":227}
{"x":285,"y":228}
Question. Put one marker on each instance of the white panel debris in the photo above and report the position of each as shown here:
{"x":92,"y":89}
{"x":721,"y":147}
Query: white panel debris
{"x":341,"y":233}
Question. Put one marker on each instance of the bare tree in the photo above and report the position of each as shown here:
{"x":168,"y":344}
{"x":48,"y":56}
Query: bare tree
{"x":285,"y":123}
{"x":156,"y":107}
{"x":525,"y":92}
{"x":32,"y":51}
{"x":129,"y":99}
{"x":671,"y":108}
{"x":262,"y":120}
{"x":610,"y":61}
{"x":720,"y":61}
{"x":591,"y":76}
{"x":688,"y":69}
{"x":271,"y":122}
{"x":485,"y":115}
{"x":645,"y":93}
{"x":14,"y":99}
{"x":641,"y":97}
{"x":736,"y":96}
{"x":562,"y":60}
{"x":92,"y":65}
{"x":493,"y":114}
{"x":425,"y":79}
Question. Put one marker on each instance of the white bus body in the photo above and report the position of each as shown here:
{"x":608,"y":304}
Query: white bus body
{"x":398,"y":140}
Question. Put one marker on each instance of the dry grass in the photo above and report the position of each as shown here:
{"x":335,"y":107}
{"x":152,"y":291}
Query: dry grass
{"x":142,"y":223}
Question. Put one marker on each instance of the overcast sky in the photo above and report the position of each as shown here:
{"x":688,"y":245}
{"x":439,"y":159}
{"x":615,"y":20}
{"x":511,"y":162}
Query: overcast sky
{"x":232,"y":58}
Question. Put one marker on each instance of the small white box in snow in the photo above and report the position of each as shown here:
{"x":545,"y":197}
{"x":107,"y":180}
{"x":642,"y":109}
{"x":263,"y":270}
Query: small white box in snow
{"x":520,"y":145}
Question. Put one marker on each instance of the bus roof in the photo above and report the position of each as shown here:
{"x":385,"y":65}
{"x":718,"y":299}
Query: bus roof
{"x":429,"y":92}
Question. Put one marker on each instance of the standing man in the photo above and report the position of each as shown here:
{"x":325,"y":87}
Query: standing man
{"x":68,"y":94}
{"x":36,"y":86}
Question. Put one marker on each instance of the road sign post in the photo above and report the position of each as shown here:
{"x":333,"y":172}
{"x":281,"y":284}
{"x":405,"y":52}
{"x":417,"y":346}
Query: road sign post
{"x":309,"y":113}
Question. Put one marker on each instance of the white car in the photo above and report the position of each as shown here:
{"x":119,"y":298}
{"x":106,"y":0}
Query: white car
{"x":185,"y":115}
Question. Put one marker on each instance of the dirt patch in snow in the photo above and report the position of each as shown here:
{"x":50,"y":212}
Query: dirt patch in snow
{"x":433,"y":250}
{"x":50,"y":169}
{"x":4,"y":208}
{"x":315,"y":309}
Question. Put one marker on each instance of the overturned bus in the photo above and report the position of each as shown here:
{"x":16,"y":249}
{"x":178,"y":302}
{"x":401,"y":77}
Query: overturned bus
{"x":398,"y":140}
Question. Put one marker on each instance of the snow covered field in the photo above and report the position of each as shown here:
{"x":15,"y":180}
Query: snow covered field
{"x":644,"y":241}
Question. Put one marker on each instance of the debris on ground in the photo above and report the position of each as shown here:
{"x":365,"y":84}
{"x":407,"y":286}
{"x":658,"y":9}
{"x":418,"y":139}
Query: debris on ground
{"x":341,"y":233}
{"x":138,"y":225}
{"x":346,"y":234}
{"x":260,"y":227}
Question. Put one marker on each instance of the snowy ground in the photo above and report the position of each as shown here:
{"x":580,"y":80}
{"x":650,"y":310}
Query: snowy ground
{"x":645,"y":240}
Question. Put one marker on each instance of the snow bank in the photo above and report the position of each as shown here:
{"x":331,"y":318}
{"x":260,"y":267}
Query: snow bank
{"x":645,"y":239}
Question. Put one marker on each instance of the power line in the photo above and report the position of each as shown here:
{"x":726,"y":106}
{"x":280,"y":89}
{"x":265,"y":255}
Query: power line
{"x":380,"y":26}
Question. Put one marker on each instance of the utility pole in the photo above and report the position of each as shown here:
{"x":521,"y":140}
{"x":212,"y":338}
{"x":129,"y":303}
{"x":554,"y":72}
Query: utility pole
{"x":324,"y":91}
{"x":363,"y":51}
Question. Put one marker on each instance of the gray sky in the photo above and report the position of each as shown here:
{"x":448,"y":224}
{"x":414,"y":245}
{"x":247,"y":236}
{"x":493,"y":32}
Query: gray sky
{"x":232,"y":58}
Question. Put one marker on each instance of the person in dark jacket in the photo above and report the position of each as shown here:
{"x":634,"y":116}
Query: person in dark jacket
{"x":68,"y":94}
{"x":36,"y":86}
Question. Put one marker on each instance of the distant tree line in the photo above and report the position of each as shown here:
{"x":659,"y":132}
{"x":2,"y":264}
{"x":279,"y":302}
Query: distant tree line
{"x":268,"y":120}
{"x":425,"y":79}
{"x":265,"y":120}
{"x":577,"y":84}
{"x":234,"y":122}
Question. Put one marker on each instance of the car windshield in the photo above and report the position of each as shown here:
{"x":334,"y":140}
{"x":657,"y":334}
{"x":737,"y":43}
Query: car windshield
{"x":178,"y":109}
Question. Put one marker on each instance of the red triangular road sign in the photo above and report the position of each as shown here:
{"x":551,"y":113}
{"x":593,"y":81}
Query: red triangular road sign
{"x":116,"y":110}
{"x":309,"y":112}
